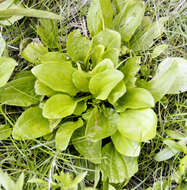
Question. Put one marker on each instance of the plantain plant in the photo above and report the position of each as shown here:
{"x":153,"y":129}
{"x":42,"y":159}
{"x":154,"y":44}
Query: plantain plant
{"x":90,"y":95}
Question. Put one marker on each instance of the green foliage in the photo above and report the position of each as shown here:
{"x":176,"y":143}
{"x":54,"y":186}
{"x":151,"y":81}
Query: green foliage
{"x":89,"y":97}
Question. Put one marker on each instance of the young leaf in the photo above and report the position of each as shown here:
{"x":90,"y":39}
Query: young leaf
{"x":103,"y":83}
{"x":135,"y":98}
{"x":59,"y":106}
{"x":89,"y":149}
{"x":31,"y":124}
{"x":78,"y":46}
{"x":97,"y":54}
{"x":6,"y":181}
{"x":33,"y":52}
{"x":56,"y":76}
{"x":7,"y":66}
{"x":101,"y":124}
{"x":80,"y":108}
{"x":20,"y":182}
{"x":102,"y":66}
{"x":65,"y":132}
{"x":2,"y":44}
{"x":116,"y":167}
{"x":130,"y":69}
{"x":19,"y":92}
{"x":5,"y":132}
{"x":128,"y":20}
{"x":138,"y":125}
{"x":159,"y":50}
{"x":29,"y":13}
{"x":144,"y":38}
{"x":117,"y":92}
{"x":48,"y":32}
{"x":126,"y":146}
{"x":81,"y":80}
{"x":42,"y":89}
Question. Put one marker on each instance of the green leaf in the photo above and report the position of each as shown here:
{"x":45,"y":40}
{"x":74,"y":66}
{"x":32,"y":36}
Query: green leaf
{"x":103,"y":66}
{"x":7,"y":66}
{"x":6,"y":181}
{"x":97,"y":54}
{"x":101,"y":124}
{"x":65,"y":132}
{"x":101,"y":84}
{"x":54,"y":57}
{"x":80,"y":108}
{"x":56,"y":76}
{"x":116,"y":167}
{"x":19,"y":92}
{"x":159,"y":50}
{"x":130,"y":69}
{"x":42,"y":89}
{"x":108,"y":38}
{"x":59,"y":106}
{"x":31,"y":124}
{"x":5,"y":4}
{"x":89,"y":149}
{"x":29,"y":13}
{"x":117,"y":92}
{"x":135,"y":98}
{"x":33,"y":52}
{"x":171,"y":74}
{"x":100,"y":15}
{"x":112,"y":54}
{"x":2,"y":45}
{"x":165,"y":154}
{"x":183,"y":165}
{"x":20,"y":182}
{"x":48,"y":32}
{"x":81,"y":80}
{"x":126,"y":146}
{"x":144,"y":38}
{"x":128,"y":20}
{"x":138,"y":125}
{"x":5,"y":132}
{"x":78,"y":46}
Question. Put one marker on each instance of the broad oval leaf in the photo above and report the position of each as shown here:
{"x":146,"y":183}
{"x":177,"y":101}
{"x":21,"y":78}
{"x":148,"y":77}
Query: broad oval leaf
{"x":138,"y":125}
{"x":42,"y":89}
{"x":135,"y":98}
{"x":78,"y":46}
{"x":103,"y":83}
{"x":5,"y":132}
{"x":159,"y":50}
{"x":33,"y":52}
{"x":116,"y":167}
{"x":166,"y":66}
{"x":108,"y":38}
{"x":48,"y":32}
{"x":65,"y":132}
{"x":117,"y":92}
{"x":128,"y":20}
{"x":56,"y":76}
{"x":19,"y":92}
{"x":59,"y":106}
{"x":80,"y":108}
{"x":126,"y":146}
{"x":101,"y":124}
{"x":7,"y":66}
{"x":144,"y":38}
{"x":89,"y":149}
{"x":81,"y":80}
{"x":97,"y":54}
{"x":31,"y":124}
{"x":100,"y":14}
